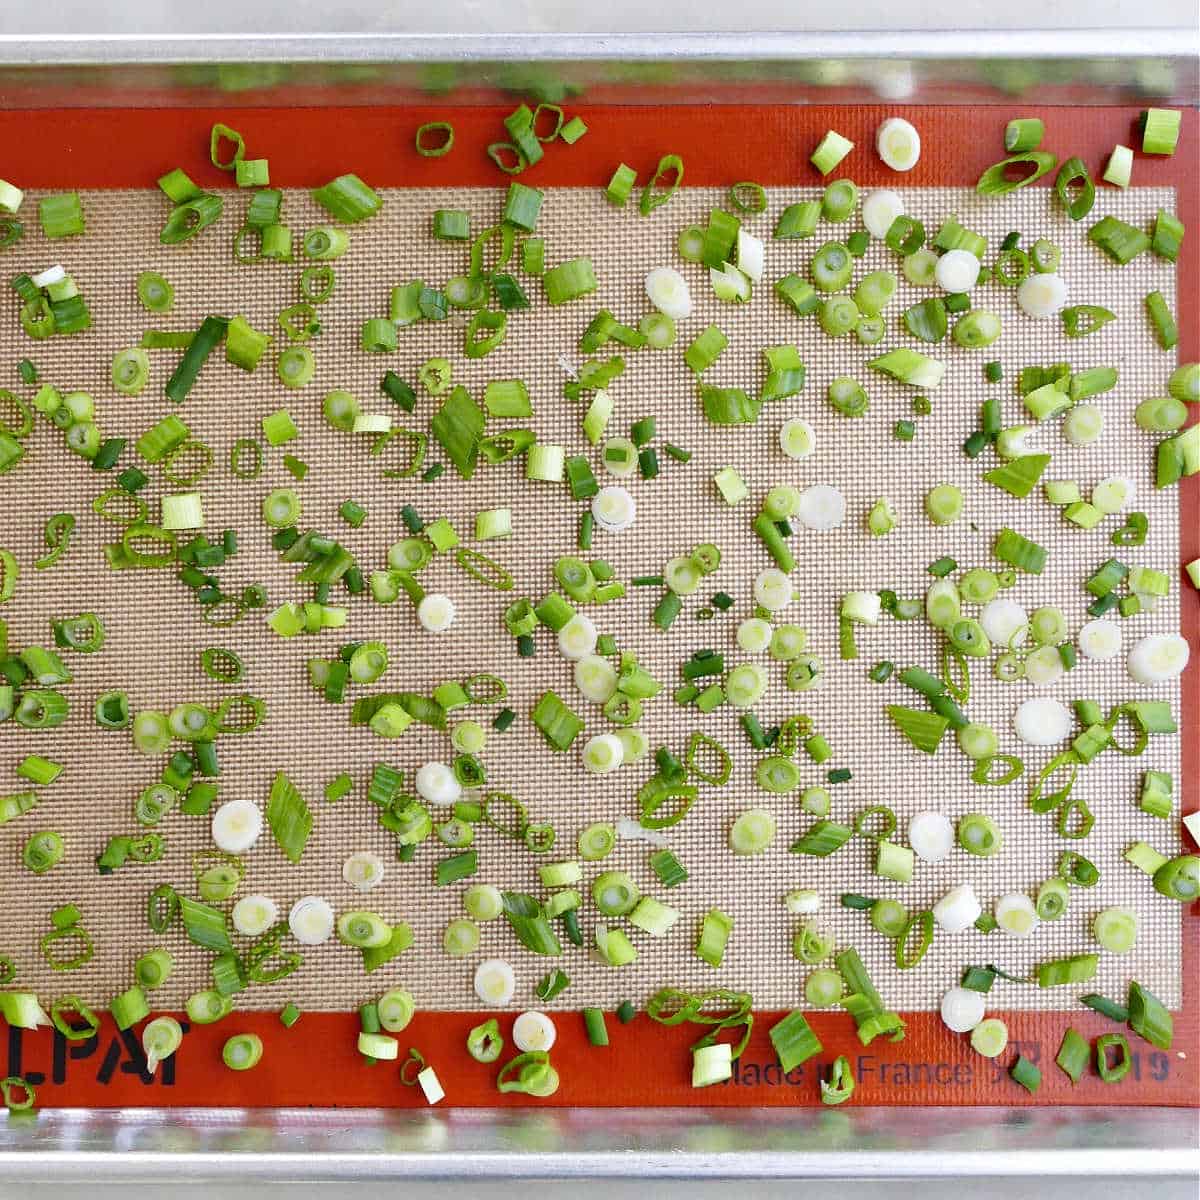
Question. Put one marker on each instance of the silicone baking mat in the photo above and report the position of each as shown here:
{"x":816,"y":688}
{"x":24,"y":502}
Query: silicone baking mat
{"x":155,"y":637}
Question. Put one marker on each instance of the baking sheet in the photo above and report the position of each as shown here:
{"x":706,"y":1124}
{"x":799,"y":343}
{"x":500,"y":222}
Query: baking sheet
{"x":861,"y":456}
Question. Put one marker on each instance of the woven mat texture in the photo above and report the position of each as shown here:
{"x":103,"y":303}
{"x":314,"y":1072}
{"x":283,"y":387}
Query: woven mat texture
{"x":155,"y":635}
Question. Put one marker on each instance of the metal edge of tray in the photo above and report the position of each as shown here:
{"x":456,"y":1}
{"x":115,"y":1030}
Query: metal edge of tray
{"x":1082,"y":66}
{"x":921,"y":45}
{"x":75,"y":1146}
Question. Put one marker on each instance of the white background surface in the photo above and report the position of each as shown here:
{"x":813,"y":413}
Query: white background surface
{"x":76,"y":17}
{"x":563,"y":16}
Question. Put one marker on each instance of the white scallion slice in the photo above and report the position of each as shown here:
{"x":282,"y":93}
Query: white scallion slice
{"x":668,"y":292}
{"x":822,"y":507}
{"x":236,"y":826}
{"x":1116,"y":929}
{"x":773,"y":589}
{"x":578,"y":637}
{"x":603,"y":753}
{"x":962,"y":1009}
{"x":49,"y":277}
{"x":614,"y":509}
{"x":931,"y":836}
{"x":533,"y":1030}
{"x":596,"y":678}
{"x":958,"y":909}
{"x":311,"y":920}
{"x":436,"y":783}
{"x":1158,"y":659}
{"x":803,"y":902}
{"x":363,"y":870}
{"x":1042,"y":295}
{"x":1002,"y":619}
{"x":898,"y":144}
{"x":1016,"y":914}
{"x":1042,"y":721}
{"x":797,"y":439}
{"x":1113,"y":493}
{"x":1083,"y":425}
{"x":1100,"y":639}
{"x":957,"y":271}
{"x":431,"y":1085}
{"x":495,"y":982}
{"x":254,"y":915}
{"x":634,"y":831}
{"x":750,"y":255}
{"x":435,"y":612}
{"x":879,"y":210}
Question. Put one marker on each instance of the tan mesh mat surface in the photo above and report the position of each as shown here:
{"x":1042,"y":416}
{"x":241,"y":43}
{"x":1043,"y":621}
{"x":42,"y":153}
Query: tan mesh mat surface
{"x":155,"y":635}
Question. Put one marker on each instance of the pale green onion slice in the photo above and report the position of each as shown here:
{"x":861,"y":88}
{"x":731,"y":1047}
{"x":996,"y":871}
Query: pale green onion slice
{"x":460,"y":938}
{"x":797,"y":438}
{"x":1120,"y":166}
{"x":1157,"y":659}
{"x":160,"y":1039}
{"x":990,"y":1038}
{"x":1044,"y":666}
{"x":1016,"y":914}
{"x":1083,"y":425}
{"x":254,"y":915}
{"x":957,"y":271}
{"x":879,"y":210}
{"x":712,"y":1064}
{"x":378,"y":1046}
{"x":1116,"y":929}
{"x":745,"y":685}
{"x":863,"y":608}
{"x":668,"y":292}
{"x":1042,"y":721}
{"x":958,"y":909}
{"x":596,"y":678}
{"x":773,"y":589}
{"x":920,"y":267}
{"x":1100,"y":640}
{"x":236,"y":826}
{"x":752,"y":832}
{"x":437,"y":783}
{"x":962,"y":1009}
{"x":363,"y":870}
{"x":754,"y":635}
{"x":822,"y":507}
{"x":533,"y":1031}
{"x":1113,"y":493}
{"x":978,"y":741}
{"x":311,"y":920}
{"x":483,"y":902}
{"x":634,"y":743}
{"x":898,"y":144}
{"x":603,"y":753}
{"x":942,"y":604}
{"x":931,"y":835}
{"x":577,"y":638}
{"x":682,"y":575}
{"x":183,"y":511}
{"x":1042,"y":295}
{"x":824,"y":988}
{"x":495,"y":982}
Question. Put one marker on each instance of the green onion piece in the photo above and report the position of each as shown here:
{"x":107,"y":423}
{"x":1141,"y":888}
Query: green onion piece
{"x":1026,"y":1074}
{"x":794,"y":1041}
{"x":999,"y":180}
{"x":434,"y":139}
{"x":667,"y":178}
{"x":1166,"y":332}
{"x":1149,"y":1018}
{"x":1023,"y":134}
{"x":715,"y":931}
{"x":1113,"y":1071}
{"x":1078,"y":968}
{"x":348,"y":199}
{"x":1160,"y":130}
{"x":1121,"y":242}
{"x":1075,"y":189}
{"x":830,"y":151}
{"x":569,"y":281}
